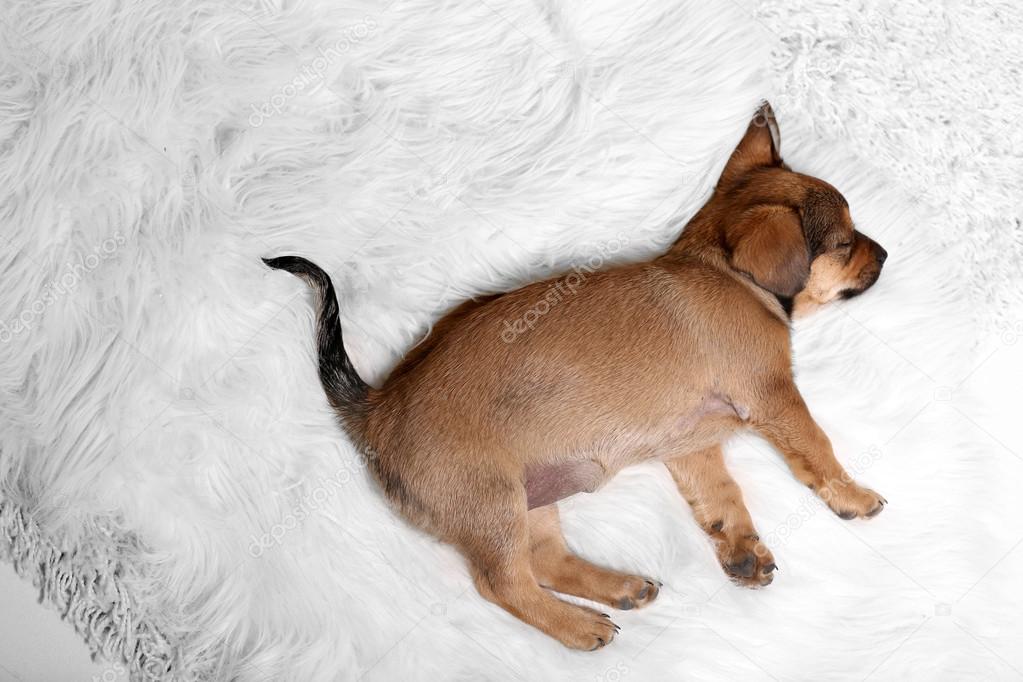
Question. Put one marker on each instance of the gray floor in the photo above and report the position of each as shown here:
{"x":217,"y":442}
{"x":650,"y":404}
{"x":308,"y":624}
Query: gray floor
{"x":36,"y":645}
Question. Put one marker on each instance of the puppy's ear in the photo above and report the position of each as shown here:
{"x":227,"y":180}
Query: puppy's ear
{"x":767,"y":243}
{"x":759,"y":147}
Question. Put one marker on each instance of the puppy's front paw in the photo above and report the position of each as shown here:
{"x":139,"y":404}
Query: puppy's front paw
{"x":850,"y":501}
{"x":636,"y":592}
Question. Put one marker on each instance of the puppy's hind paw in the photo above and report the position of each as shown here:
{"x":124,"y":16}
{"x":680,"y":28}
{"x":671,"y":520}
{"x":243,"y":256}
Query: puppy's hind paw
{"x":746,"y":560}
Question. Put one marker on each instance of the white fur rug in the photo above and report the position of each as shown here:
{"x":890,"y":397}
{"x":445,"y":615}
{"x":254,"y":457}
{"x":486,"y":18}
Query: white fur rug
{"x":164,"y":436}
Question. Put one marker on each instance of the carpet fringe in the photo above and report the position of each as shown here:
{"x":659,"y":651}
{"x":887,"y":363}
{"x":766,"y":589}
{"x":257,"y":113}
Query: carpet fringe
{"x":93,"y":599}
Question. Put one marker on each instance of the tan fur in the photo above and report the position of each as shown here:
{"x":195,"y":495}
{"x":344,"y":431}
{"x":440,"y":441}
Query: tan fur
{"x":717,"y":505}
{"x":663,"y":359}
{"x":558,"y":569}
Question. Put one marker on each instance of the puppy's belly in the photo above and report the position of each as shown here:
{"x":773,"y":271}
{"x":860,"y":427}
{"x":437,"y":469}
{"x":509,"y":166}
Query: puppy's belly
{"x":705,"y":424}
{"x":697,"y":427}
{"x":548,"y":483}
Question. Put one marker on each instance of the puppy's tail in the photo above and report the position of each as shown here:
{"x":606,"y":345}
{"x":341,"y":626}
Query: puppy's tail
{"x":345,"y":389}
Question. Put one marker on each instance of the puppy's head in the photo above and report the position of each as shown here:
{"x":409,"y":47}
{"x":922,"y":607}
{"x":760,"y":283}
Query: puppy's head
{"x":791,"y":233}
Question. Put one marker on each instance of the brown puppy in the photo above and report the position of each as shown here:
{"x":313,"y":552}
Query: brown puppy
{"x":474,"y":436}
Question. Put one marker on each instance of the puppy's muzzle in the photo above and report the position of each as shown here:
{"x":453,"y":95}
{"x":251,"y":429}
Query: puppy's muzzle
{"x":870,"y":272}
{"x":880,"y":255}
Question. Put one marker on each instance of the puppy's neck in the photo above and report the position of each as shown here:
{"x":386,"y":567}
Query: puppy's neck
{"x":702,"y":240}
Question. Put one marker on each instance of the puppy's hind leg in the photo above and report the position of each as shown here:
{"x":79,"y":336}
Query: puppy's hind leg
{"x":497,"y":547}
{"x":560,"y":570}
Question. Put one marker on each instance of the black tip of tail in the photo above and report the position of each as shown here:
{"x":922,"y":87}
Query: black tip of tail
{"x":344,"y":387}
{"x":296,"y":265}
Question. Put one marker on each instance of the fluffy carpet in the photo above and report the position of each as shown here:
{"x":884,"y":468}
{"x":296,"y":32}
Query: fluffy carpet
{"x":168,"y":463}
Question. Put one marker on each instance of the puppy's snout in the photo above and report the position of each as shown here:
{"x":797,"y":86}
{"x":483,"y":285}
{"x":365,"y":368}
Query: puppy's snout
{"x":879,"y":253}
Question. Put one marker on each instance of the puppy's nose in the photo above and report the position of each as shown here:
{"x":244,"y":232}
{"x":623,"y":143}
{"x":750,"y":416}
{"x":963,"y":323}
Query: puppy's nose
{"x":880,"y":254}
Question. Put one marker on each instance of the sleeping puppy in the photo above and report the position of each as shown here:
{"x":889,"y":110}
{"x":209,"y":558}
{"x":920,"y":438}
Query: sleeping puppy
{"x":474,"y":437}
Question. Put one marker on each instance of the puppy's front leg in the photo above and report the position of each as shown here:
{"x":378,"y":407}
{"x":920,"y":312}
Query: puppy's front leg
{"x":783,"y":418}
{"x":718,"y":507}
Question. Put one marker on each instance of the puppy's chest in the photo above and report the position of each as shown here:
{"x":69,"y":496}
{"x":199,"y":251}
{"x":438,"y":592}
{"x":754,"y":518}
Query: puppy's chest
{"x":694,"y":428}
